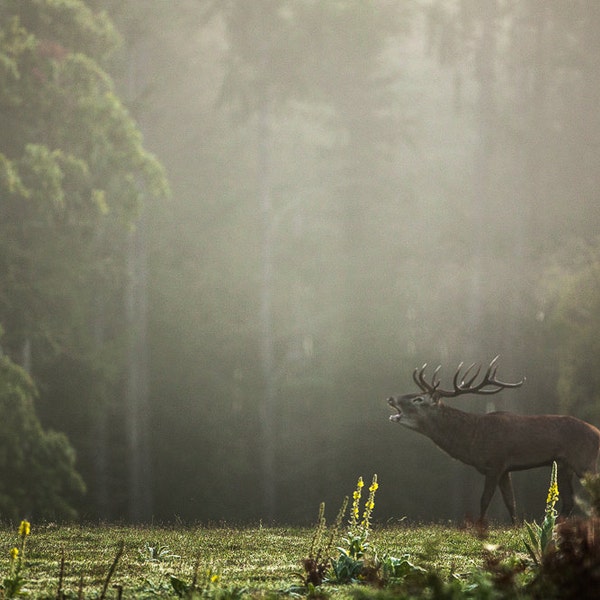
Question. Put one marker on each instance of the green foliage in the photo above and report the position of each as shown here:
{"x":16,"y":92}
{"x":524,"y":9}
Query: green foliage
{"x":346,"y":569}
{"x":37,"y":467}
{"x":74,"y":179}
{"x":71,"y":21}
{"x":155,"y":552}
{"x":395,"y":570}
{"x":73,"y":165}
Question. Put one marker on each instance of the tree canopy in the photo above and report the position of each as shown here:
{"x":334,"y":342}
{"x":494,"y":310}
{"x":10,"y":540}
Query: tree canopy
{"x":73,"y":178}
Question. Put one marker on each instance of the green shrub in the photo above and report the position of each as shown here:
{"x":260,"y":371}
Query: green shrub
{"x":37,"y":467}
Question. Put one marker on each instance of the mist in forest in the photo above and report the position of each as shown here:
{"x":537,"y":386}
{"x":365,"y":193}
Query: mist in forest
{"x":356,"y":189}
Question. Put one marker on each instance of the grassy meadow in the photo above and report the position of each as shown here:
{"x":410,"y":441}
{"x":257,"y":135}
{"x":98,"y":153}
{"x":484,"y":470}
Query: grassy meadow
{"x":225,"y":561}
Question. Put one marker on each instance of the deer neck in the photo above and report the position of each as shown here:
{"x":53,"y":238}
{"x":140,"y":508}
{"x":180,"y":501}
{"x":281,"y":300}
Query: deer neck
{"x":453,"y":431}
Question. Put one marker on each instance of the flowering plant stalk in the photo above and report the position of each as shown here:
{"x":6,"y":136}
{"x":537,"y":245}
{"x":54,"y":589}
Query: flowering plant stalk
{"x":542,"y":536}
{"x":358,"y":531}
{"x":349,"y":566}
{"x":356,"y":495}
{"x":369,"y":505}
{"x":13,"y":582}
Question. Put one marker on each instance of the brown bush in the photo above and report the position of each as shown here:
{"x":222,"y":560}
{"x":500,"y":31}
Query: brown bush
{"x":571,"y":568}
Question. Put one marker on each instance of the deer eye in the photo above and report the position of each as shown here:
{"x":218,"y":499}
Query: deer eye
{"x":418,"y":400}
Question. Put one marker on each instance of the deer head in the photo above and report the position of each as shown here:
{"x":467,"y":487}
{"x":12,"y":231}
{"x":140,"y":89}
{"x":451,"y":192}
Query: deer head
{"x":416,"y":411}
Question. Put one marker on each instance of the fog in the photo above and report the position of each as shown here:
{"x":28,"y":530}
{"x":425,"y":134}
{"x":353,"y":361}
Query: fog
{"x":402,"y":211}
{"x":356,"y":189}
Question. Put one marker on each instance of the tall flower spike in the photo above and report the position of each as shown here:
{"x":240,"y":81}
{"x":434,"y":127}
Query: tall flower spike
{"x":356,"y":502}
{"x":370,"y":503}
{"x":552,"y":498}
{"x":24,"y":528}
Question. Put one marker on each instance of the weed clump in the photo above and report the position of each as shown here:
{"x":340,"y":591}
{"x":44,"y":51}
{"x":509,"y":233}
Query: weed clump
{"x":316,"y":564}
{"x":571,"y":568}
{"x":351,"y":564}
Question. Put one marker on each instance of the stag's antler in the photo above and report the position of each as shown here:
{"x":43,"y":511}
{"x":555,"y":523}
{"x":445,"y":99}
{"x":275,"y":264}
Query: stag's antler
{"x":489,"y":385}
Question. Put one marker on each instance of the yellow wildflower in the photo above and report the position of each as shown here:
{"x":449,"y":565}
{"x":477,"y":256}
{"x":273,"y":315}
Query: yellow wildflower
{"x":552,"y":498}
{"x":24,"y":528}
{"x":370,"y":503}
{"x":14,"y":553}
{"x":552,"y":494}
{"x":356,"y":503}
{"x":214,"y":578}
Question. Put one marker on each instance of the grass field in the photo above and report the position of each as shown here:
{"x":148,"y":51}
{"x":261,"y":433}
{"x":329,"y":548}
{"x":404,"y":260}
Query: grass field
{"x":264,"y":561}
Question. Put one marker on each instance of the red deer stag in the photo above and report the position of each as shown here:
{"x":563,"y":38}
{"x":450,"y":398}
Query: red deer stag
{"x":499,"y":442}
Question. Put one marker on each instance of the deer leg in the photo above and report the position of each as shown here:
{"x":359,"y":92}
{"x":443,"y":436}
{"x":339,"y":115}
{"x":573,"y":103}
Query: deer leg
{"x":565,"y":487}
{"x":508,"y":495}
{"x":491,"y":481}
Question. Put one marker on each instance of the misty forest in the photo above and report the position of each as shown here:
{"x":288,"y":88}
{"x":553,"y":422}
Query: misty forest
{"x":230,"y":229}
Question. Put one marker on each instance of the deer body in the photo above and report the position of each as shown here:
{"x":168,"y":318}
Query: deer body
{"x":500,"y":442}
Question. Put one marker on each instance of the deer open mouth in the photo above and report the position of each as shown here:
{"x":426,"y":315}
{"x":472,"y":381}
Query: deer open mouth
{"x":398,"y":416}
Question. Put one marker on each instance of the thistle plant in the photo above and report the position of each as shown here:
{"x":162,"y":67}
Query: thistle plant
{"x":13,"y":582}
{"x":542,"y":536}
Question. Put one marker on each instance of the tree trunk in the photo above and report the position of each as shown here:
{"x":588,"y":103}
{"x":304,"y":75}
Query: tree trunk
{"x":267,"y":406}
{"x":136,"y":392}
{"x":100,"y":424}
{"x":137,"y":387}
